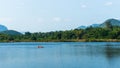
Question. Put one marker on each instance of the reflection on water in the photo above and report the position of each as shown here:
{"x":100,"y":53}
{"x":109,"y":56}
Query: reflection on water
{"x":60,"y":55}
{"x":112,"y":52}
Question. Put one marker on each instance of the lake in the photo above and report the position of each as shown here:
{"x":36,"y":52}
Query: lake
{"x":60,"y":55}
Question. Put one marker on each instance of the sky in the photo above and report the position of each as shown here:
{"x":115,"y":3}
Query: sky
{"x":55,"y":15}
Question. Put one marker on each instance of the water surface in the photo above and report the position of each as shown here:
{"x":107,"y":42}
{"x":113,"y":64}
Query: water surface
{"x":60,"y":55}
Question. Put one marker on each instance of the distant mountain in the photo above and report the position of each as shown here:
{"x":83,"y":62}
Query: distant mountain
{"x":11,"y":32}
{"x":82,"y":27}
{"x":3,"y":28}
{"x":113,"y":22}
{"x":95,"y":25}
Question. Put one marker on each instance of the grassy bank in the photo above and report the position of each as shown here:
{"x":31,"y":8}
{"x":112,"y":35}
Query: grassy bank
{"x":69,"y":40}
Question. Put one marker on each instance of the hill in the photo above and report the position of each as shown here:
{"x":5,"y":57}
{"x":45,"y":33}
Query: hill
{"x":3,"y":28}
{"x":11,"y":32}
{"x":112,"y":22}
{"x":81,"y":27}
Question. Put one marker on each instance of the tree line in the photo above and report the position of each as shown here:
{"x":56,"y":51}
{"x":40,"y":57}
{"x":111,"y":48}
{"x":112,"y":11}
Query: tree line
{"x":108,"y":33}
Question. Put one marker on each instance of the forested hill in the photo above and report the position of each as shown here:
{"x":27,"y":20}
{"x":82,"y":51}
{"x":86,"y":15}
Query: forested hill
{"x":108,"y":33}
{"x":113,"y":22}
{"x":3,"y":28}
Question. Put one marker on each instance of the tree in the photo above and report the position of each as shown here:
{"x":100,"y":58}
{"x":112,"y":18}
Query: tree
{"x":27,"y":33}
{"x":108,"y":25}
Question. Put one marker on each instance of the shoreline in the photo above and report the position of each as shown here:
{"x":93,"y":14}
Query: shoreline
{"x":69,"y":40}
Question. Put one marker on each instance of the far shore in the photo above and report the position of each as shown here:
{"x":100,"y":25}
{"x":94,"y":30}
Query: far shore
{"x":70,"y":40}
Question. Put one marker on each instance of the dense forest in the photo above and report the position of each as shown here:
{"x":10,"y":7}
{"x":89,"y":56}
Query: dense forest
{"x":108,"y":33}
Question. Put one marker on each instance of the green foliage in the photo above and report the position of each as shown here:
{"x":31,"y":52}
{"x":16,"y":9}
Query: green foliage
{"x":88,"y":34}
{"x":108,"y":25}
{"x":11,"y":32}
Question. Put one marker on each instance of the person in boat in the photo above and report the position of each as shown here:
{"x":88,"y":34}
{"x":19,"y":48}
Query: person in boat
{"x":40,"y":47}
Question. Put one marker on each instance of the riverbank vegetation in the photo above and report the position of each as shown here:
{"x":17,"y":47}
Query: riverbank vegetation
{"x":109,"y":34}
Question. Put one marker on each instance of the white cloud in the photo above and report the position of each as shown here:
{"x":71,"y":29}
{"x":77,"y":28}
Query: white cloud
{"x":83,"y":6}
{"x":117,"y":18}
{"x":108,"y":3}
{"x":54,"y":19}
{"x":57,"y":19}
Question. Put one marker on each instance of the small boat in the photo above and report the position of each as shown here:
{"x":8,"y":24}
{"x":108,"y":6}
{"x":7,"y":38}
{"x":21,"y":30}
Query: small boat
{"x":40,"y":47}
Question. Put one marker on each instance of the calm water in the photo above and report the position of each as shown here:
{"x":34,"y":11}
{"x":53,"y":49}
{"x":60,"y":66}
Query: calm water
{"x":60,"y":55}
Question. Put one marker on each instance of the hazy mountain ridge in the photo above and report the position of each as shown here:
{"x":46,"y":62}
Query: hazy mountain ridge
{"x":113,"y":22}
{"x":11,"y":32}
{"x":3,"y":28}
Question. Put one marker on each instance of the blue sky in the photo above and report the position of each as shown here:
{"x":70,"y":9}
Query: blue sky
{"x":52,"y":15}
